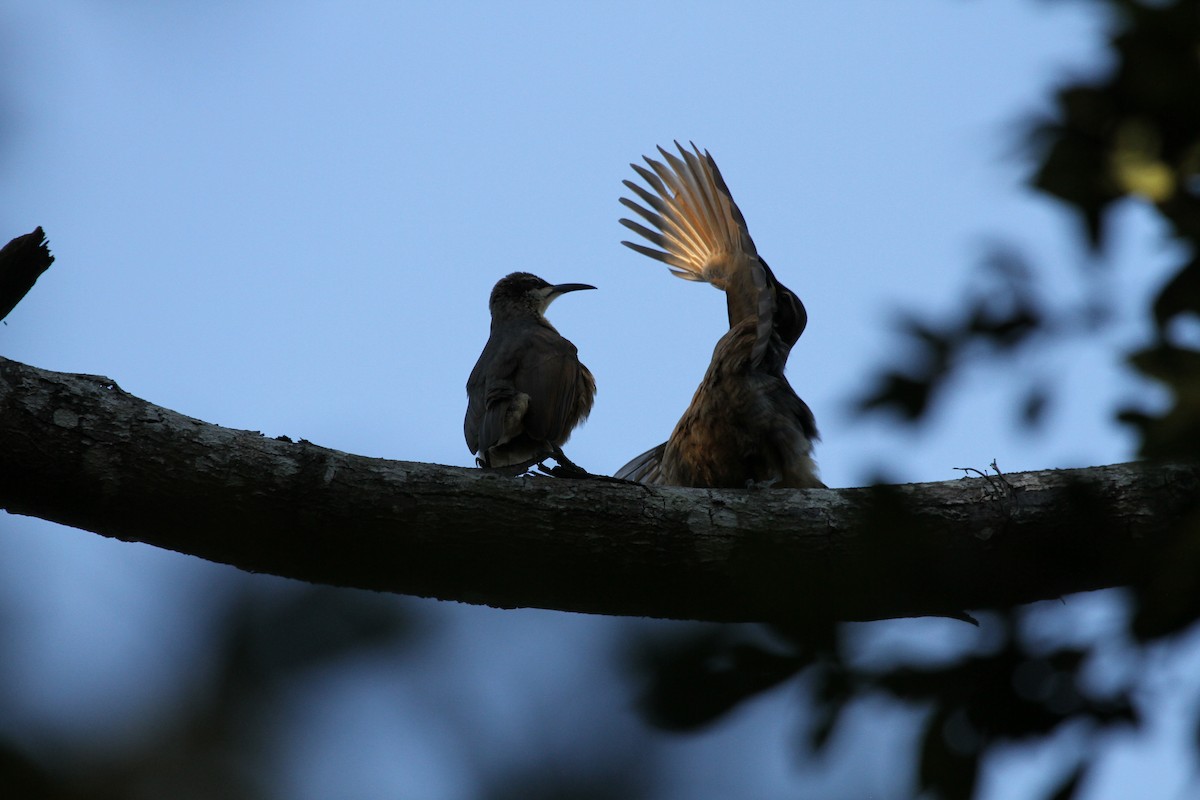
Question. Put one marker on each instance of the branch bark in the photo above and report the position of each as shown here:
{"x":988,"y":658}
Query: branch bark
{"x":78,"y":450}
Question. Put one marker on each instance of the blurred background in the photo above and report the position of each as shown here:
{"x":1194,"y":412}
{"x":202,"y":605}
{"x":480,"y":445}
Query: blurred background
{"x":287,"y":217}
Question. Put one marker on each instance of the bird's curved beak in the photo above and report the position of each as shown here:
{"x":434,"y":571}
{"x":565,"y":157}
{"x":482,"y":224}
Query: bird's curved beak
{"x":563,"y":288}
{"x":553,"y":292}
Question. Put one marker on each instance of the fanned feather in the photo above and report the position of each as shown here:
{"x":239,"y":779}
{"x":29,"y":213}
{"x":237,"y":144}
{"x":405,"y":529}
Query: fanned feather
{"x":700,"y":233}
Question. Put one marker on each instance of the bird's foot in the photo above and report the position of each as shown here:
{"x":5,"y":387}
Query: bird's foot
{"x":566,"y":468}
{"x":565,"y":471}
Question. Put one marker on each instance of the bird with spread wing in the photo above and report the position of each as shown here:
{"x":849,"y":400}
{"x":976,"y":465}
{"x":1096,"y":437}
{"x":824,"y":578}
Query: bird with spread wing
{"x":745,"y":424}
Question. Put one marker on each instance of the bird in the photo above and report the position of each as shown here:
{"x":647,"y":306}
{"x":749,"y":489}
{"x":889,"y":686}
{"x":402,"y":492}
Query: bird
{"x":745,"y":425}
{"x":528,"y":390}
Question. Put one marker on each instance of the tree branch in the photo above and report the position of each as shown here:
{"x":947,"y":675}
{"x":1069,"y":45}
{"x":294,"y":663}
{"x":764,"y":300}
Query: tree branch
{"x":22,"y":261}
{"x":78,"y":450}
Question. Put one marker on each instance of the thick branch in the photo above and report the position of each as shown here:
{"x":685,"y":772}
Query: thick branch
{"x":78,"y":450}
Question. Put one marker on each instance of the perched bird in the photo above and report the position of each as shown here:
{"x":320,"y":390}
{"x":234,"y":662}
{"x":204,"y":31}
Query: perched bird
{"x":745,"y":424}
{"x":528,"y":390}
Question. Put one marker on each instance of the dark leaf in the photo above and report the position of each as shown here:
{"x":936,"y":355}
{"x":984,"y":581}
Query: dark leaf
{"x":833,"y":690}
{"x":904,"y":395}
{"x":949,"y":766}
{"x":1066,"y":790}
{"x":22,"y":777}
{"x":1074,"y":166}
{"x":1176,"y":433}
{"x":699,"y":679}
{"x":304,"y":628}
{"x":1179,"y":296}
{"x":1034,"y":404}
{"x":1169,"y":601}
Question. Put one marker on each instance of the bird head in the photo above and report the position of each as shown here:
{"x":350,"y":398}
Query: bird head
{"x":523,"y":294}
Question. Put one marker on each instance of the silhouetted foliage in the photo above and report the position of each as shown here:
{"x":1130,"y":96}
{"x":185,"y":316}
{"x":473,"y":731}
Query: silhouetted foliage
{"x":1003,"y":312}
{"x":213,"y":745}
{"x":698,"y":677}
{"x":1132,"y":135}
{"x":600,"y":779}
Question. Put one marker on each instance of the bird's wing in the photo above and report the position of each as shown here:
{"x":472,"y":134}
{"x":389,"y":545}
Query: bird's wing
{"x":702,"y":234}
{"x":490,"y":392}
{"x":549,"y":371}
{"x":646,"y":468}
{"x":529,"y":381}
{"x":475,"y":406}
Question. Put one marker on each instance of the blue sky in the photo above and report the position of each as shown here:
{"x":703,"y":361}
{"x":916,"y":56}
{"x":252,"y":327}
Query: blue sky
{"x":288,"y":217}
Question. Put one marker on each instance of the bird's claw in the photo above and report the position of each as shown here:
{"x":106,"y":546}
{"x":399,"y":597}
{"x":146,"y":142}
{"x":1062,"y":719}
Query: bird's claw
{"x":566,"y":468}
